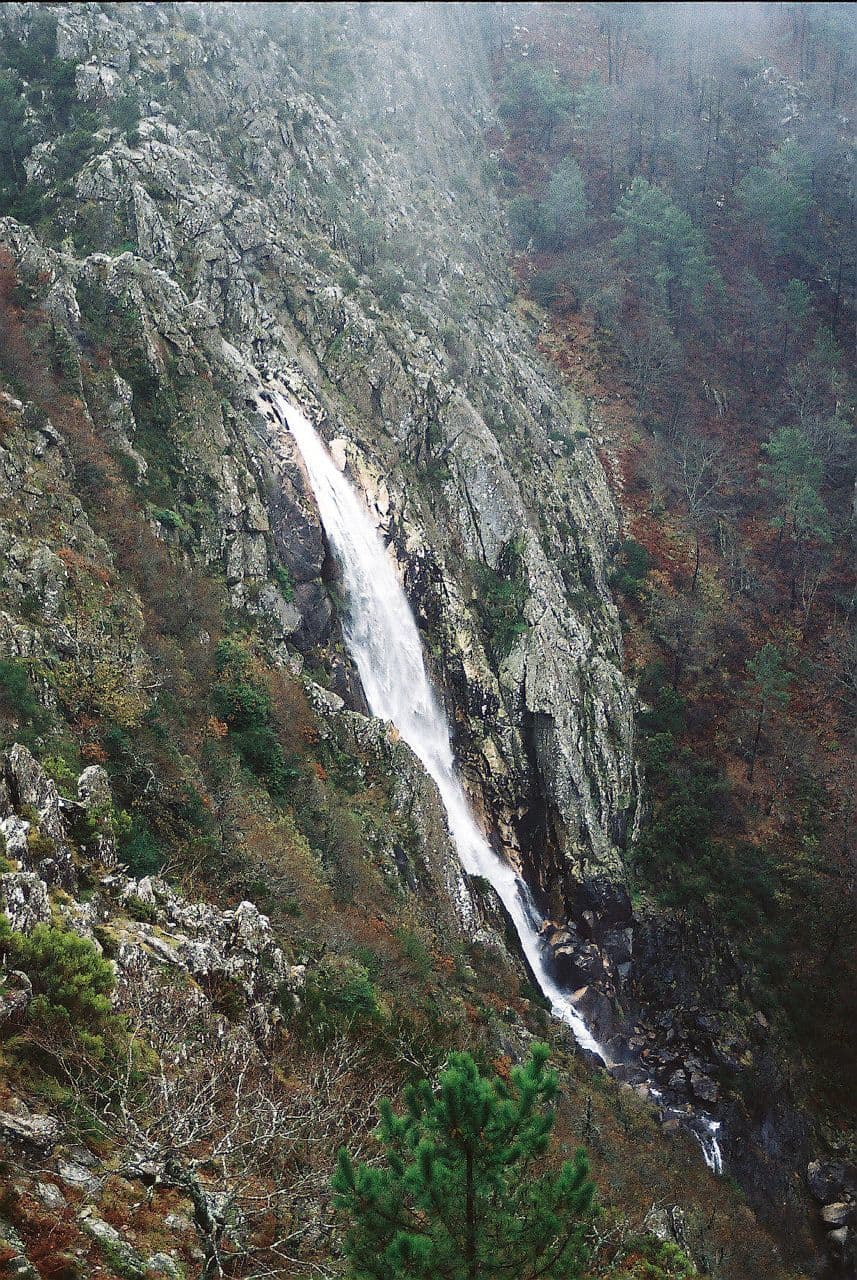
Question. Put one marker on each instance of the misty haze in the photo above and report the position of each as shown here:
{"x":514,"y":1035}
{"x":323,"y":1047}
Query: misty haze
{"x":428,"y":659}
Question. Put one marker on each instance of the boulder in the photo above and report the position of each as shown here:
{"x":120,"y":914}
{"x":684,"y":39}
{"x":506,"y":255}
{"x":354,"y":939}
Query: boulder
{"x":96,"y":798}
{"x":596,"y":1011}
{"x":51,"y":1196}
{"x":572,"y":961}
{"x":24,"y":899}
{"x":703,"y":1087}
{"x":838,"y":1214}
{"x":25,"y":1126}
{"x":15,"y":997}
{"x":14,"y":831}
{"x":832,"y":1180}
{"x":29,"y":789}
{"x":76,"y":1175}
{"x":607,"y":900}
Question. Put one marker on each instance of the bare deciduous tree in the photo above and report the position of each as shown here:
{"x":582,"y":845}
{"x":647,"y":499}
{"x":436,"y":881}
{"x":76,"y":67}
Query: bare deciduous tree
{"x":249,"y":1138}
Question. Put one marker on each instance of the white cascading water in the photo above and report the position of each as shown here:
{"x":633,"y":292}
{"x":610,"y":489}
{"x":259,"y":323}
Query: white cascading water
{"x":383,"y":639}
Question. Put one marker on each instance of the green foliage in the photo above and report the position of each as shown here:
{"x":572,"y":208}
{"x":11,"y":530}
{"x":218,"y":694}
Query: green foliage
{"x":40,"y":85}
{"x":523,"y":214}
{"x":775,"y":199}
{"x":15,"y":139}
{"x":339,"y":997}
{"x":71,"y":986}
{"x":793,"y":473}
{"x":139,"y":849}
{"x":366,"y":237}
{"x":562,"y":216}
{"x":125,"y":111}
{"x":676,"y":854}
{"x":590,"y":100}
{"x":630,"y":573}
{"x":415,"y":952}
{"x":656,"y":1260}
{"x":547,"y":288}
{"x":389,"y":284}
{"x":797,"y":300}
{"x":558,"y":219}
{"x":241,"y":698}
{"x":769,"y":680}
{"x":502,"y":597}
{"x":659,"y":240}
{"x":139,"y":909}
{"x":30,"y":57}
{"x":106,"y":820}
{"x":18,"y":701}
{"x":284,"y":581}
{"x":465,"y":1192}
{"x":168,"y":518}
{"x":538,"y":97}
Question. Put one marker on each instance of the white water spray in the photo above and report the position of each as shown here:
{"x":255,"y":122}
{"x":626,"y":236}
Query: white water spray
{"x":383,"y":640}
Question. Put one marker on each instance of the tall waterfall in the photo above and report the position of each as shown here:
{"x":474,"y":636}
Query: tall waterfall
{"x":384,"y":642}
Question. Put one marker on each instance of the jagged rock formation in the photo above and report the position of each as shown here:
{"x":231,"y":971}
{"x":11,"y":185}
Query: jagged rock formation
{"x":307,"y":202}
{"x":455,"y":431}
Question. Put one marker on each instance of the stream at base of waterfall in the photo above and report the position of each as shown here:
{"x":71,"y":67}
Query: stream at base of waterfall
{"x":384,"y":642}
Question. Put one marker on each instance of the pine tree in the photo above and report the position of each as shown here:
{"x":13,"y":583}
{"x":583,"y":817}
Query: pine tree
{"x":769,"y":685}
{"x":563,"y":211}
{"x":793,"y":473}
{"x":662,"y":244}
{"x":776,"y":199}
{"x":464,"y":1193}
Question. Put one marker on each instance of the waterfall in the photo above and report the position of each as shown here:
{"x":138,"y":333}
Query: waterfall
{"x":383,"y":640}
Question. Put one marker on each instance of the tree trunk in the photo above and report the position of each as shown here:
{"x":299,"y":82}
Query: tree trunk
{"x":470,"y":1225}
{"x":755,"y":749}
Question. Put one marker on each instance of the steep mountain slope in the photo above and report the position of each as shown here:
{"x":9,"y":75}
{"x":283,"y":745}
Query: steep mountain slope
{"x":202,"y":198}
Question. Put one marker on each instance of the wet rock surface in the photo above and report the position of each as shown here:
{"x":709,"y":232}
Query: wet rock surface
{"x":224,"y":239}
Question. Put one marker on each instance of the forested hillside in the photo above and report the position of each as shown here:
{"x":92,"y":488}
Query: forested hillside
{"x":565,"y":296}
{"x":680,"y":191}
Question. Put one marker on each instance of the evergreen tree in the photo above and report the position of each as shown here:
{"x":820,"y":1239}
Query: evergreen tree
{"x":660,"y":240}
{"x":15,"y":139}
{"x":563,"y":212}
{"x":539,"y":97}
{"x":795,"y":305}
{"x":464,"y":1194}
{"x":769,"y":685}
{"x":776,"y":198}
{"x":793,"y":473}
{"x":524,"y":215}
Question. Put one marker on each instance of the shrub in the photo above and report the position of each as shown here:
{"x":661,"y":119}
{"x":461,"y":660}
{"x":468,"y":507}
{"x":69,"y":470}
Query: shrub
{"x":629,"y":574}
{"x":523,"y":215}
{"x":549,"y":287}
{"x":71,"y":988}
{"x":140,"y":851}
{"x":339,"y":996}
{"x":18,"y":699}
{"x":168,"y":518}
{"x":502,"y":596}
{"x":651,"y":1259}
{"x":242,"y":700}
{"x":284,"y":581}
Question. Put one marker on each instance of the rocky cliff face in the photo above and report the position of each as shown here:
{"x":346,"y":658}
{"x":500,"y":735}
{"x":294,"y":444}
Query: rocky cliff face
{"x":309,"y":202}
{"x":302,"y":193}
